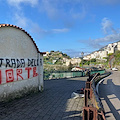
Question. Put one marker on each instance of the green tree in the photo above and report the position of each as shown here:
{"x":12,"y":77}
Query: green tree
{"x":117,"y":57}
{"x":93,"y":60}
{"x":70,"y":66}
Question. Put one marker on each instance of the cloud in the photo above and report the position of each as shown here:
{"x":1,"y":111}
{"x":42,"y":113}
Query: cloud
{"x":16,"y":3}
{"x":60,"y":30}
{"x":56,"y":9}
{"x":72,"y":52}
{"x":20,"y":20}
{"x":26,"y":23}
{"x":75,"y":53}
{"x":73,"y":9}
{"x":50,"y":7}
{"x":107,"y":26}
{"x":100,"y":42}
{"x":110,"y":35}
{"x":108,"y":38}
{"x":34,"y":28}
{"x":79,"y":15}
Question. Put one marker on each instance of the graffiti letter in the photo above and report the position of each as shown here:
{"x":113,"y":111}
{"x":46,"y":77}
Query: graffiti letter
{"x":34,"y":72}
{"x":19,"y":71}
{"x":34,"y":62}
{"x":18,"y":63}
{"x":0,"y":77}
{"x":1,"y":59}
{"x":13,"y":63}
{"x":29,"y":62}
{"x":8,"y":63}
{"x":28,"y":69}
{"x":41,"y":62}
{"x":23,"y":62}
{"x":9,"y":75}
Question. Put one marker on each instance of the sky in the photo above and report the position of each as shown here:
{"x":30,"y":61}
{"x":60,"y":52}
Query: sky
{"x":69,"y":26}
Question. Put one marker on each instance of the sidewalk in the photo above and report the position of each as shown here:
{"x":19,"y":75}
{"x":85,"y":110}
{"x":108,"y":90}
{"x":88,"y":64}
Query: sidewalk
{"x":55,"y":103}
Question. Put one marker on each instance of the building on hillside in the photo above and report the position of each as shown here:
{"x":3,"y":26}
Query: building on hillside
{"x":111,"y":48}
{"x":74,"y":61}
{"x":93,"y":56}
{"x":118,"y":46}
{"x":54,"y":61}
{"x":87,"y":57}
{"x":47,"y":53}
{"x":60,"y":55}
{"x":78,"y":69}
{"x":104,"y":54}
{"x":97,"y":54}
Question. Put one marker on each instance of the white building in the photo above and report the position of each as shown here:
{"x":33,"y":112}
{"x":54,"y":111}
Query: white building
{"x":118,"y":46}
{"x":111,"y":48}
{"x":72,"y":61}
{"x":21,"y":67}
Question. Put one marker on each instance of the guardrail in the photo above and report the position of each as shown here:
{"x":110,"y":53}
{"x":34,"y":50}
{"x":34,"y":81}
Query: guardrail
{"x":93,"y":109}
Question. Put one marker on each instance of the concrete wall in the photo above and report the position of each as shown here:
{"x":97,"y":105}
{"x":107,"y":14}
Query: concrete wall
{"x":19,"y":61}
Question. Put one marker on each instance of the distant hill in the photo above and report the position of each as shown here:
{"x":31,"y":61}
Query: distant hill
{"x":55,"y":57}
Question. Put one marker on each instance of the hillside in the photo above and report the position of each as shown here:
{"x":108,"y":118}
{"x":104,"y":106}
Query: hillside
{"x":55,"y":58}
{"x":55,"y":61}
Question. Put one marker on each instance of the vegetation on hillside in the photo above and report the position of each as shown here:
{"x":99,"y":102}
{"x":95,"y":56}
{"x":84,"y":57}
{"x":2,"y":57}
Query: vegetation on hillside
{"x":117,"y":58}
{"x":104,"y":61}
{"x":55,"y":57}
{"x":54,"y":61}
{"x":88,"y":62}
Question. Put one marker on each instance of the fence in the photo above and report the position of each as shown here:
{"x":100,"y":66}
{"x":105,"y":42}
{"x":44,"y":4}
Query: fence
{"x":93,"y":109}
{"x":68,"y":74}
{"x":97,"y":71}
{"x":62,"y":74}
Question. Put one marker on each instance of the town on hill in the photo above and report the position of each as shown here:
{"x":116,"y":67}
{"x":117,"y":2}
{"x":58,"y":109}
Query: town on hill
{"x":108,"y":56}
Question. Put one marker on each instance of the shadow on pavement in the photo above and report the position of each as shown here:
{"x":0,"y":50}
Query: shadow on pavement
{"x":111,"y":93}
{"x":54,"y":103}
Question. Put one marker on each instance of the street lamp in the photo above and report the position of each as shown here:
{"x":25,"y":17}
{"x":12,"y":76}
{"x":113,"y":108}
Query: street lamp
{"x":82,"y":53}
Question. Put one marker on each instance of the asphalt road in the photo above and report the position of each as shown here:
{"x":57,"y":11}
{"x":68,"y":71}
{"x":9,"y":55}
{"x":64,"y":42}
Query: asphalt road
{"x":109,"y":92}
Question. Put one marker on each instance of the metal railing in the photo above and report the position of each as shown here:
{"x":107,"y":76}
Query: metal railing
{"x":93,"y":108}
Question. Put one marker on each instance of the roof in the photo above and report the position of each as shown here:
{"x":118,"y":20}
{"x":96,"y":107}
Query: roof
{"x":14,"y":26}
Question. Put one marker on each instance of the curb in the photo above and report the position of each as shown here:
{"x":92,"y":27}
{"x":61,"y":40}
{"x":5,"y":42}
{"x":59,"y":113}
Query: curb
{"x":97,"y":86}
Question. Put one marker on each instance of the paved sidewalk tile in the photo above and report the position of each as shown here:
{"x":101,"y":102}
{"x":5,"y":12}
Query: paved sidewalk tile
{"x":55,"y":103}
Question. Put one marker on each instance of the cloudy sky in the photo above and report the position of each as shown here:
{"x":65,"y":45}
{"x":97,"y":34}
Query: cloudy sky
{"x":70,"y":26}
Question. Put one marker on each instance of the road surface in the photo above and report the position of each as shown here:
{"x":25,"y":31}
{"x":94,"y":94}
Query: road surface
{"x":54,"y":103}
{"x":109,"y":92}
